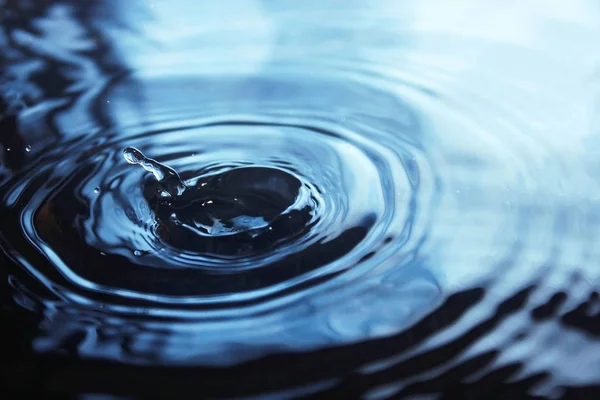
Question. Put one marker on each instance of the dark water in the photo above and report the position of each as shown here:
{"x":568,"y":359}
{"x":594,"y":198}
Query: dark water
{"x":272,"y":199}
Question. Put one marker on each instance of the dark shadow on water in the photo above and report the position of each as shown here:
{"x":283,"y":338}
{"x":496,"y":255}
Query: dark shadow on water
{"x":332,"y":372}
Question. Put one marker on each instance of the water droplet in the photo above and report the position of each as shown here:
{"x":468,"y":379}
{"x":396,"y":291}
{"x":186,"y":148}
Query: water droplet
{"x":8,"y":149}
{"x":137,"y":253}
{"x":28,"y":148}
{"x":97,"y":190}
{"x":102,"y":253}
{"x":166,"y":176}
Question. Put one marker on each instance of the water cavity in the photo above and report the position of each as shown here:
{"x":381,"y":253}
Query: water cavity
{"x":252,"y":198}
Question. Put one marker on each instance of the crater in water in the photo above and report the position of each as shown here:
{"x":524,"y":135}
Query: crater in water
{"x":233,"y":212}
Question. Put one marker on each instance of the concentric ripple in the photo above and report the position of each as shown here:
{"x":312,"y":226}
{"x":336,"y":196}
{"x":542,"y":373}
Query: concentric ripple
{"x":392,"y":186}
{"x":235,"y":219}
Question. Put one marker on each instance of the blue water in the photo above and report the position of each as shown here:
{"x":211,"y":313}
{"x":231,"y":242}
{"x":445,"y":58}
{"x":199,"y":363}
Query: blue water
{"x":375,"y":195}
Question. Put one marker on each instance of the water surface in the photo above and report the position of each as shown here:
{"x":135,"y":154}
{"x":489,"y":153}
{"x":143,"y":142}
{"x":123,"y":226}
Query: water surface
{"x":337,"y":198}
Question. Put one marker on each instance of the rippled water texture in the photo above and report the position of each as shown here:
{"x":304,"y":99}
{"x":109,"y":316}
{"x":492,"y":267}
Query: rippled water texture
{"x":384,"y":198}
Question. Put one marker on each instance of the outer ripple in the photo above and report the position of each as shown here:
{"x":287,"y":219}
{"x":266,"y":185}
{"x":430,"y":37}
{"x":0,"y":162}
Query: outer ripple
{"x":352,"y":273}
